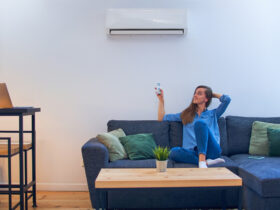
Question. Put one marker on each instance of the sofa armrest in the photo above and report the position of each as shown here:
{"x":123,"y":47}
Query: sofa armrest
{"x":95,"y":157}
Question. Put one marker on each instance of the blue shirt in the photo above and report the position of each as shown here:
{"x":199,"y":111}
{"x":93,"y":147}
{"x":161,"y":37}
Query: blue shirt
{"x":209,"y":116}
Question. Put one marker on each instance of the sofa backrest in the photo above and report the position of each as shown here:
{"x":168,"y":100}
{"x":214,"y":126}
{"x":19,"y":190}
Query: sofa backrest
{"x":160,"y":130}
{"x":239,"y":132}
{"x":176,"y":134}
{"x":235,"y":131}
{"x":223,"y":135}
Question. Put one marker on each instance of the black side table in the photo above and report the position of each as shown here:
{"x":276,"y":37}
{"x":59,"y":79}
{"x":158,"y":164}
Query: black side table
{"x":22,"y":188}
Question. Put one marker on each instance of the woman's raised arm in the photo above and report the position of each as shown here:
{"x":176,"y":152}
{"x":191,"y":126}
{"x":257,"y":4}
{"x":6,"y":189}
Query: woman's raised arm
{"x":225,"y":100}
{"x":161,"y":111}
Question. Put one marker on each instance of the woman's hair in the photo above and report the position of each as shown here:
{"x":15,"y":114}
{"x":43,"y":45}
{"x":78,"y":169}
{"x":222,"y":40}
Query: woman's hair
{"x":188,"y":114}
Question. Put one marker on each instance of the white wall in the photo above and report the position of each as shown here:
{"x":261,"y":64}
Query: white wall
{"x":56,"y":55}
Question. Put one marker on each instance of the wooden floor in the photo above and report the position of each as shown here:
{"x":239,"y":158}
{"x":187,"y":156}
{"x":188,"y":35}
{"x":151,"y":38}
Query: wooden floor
{"x":54,"y":200}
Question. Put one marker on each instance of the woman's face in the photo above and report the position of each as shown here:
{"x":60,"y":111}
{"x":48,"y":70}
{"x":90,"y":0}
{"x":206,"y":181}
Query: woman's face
{"x":199,"y":96}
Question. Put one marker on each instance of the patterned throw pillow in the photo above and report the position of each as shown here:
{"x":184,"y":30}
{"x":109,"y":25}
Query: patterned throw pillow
{"x":113,"y":144}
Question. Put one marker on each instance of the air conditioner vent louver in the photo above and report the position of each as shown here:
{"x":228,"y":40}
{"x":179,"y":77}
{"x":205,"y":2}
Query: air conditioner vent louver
{"x":146,"y":21}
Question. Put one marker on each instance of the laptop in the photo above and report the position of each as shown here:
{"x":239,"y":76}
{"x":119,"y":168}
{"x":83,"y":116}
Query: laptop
{"x":5,"y":100}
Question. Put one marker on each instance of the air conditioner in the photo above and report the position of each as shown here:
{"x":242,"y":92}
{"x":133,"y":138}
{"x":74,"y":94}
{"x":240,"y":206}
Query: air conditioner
{"x":146,"y":21}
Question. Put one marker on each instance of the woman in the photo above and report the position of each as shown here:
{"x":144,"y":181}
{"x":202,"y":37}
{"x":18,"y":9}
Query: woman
{"x":201,"y":138}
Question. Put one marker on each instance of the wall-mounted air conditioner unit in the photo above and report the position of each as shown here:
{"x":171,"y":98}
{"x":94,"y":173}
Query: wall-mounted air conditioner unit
{"x":146,"y":21}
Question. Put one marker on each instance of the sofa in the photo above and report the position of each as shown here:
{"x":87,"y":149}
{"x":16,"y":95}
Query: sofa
{"x":261,"y":177}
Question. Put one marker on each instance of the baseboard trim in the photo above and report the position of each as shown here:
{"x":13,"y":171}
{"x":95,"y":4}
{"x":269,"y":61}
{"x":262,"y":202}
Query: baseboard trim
{"x":62,"y":187}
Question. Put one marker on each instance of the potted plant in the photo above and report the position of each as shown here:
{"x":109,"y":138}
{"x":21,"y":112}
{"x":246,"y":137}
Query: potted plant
{"x":161,"y":155}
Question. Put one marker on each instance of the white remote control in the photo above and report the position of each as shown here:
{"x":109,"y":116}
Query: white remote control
{"x":158,"y":91}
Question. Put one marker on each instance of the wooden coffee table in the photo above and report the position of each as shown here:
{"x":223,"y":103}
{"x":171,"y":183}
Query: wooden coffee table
{"x":143,"y":178}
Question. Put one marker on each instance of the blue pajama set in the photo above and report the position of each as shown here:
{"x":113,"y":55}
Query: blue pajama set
{"x":200,"y":136}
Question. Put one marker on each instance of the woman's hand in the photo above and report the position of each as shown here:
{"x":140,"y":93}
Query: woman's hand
{"x":216,"y":95}
{"x":160,"y":96}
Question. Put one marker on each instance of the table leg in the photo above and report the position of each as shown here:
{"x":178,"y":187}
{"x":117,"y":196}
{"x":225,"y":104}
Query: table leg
{"x":34,"y":161}
{"x":10,"y":173}
{"x":21,"y":184}
{"x":26,"y":180}
{"x":224,"y":204}
{"x":101,"y":199}
{"x":240,"y":198}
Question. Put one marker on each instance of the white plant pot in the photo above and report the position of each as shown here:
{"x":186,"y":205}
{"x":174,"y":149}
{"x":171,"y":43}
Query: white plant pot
{"x":161,"y":165}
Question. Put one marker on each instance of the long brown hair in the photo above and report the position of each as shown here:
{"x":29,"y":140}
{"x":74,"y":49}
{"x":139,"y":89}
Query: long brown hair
{"x":188,"y":114}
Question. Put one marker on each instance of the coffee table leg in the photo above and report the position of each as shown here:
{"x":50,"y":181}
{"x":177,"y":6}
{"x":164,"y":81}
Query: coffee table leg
{"x":224,"y":204}
{"x":101,"y":199}
{"x":240,"y":198}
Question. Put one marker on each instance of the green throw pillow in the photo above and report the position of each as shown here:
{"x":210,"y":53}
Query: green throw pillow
{"x":113,"y":144}
{"x":274,"y":141}
{"x":259,"y":140}
{"x":139,"y":146}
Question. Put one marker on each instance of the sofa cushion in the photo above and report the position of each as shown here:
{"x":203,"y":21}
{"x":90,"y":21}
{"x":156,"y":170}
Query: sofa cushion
{"x":160,"y":130}
{"x":176,"y":134}
{"x":274,"y":142}
{"x":231,"y":165}
{"x":113,"y":144}
{"x":261,"y":175}
{"x":139,"y":146}
{"x":184,"y":165}
{"x":148,"y":163}
{"x":241,"y":158}
{"x":259,"y":139}
{"x":239,"y":132}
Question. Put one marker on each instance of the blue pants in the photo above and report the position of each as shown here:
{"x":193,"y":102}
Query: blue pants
{"x":206,"y":144}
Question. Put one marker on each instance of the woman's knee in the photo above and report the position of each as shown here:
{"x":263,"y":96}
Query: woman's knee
{"x":174,"y":149}
{"x":173,"y":152}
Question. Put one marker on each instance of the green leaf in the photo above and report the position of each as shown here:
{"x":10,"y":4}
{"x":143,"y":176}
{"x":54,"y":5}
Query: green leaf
{"x":161,"y":153}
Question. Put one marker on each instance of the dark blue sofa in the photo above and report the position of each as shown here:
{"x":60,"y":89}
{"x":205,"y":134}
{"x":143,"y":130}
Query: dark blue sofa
{"x":261,"y":178}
